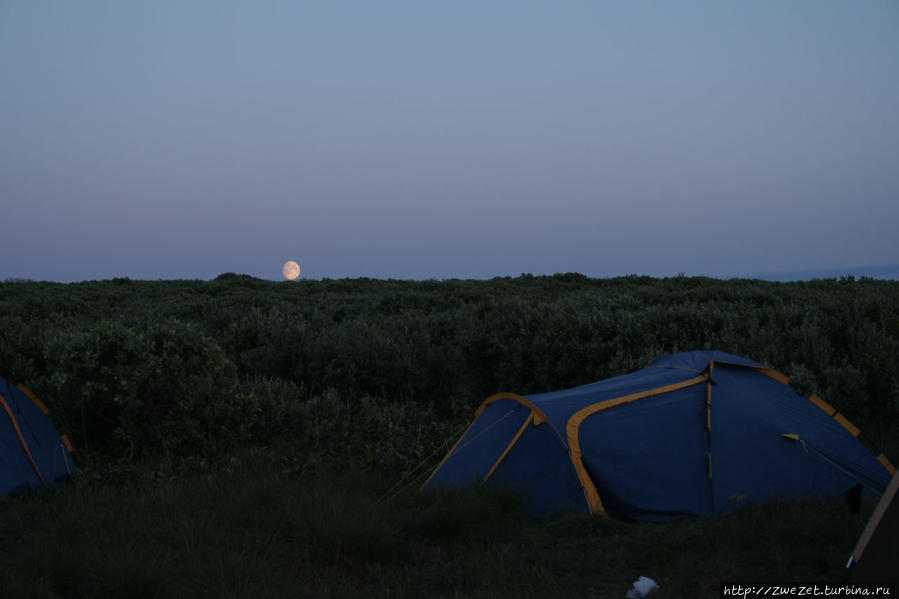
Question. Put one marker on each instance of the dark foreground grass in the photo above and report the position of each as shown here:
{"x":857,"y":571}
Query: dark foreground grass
{"x":268,"y":533}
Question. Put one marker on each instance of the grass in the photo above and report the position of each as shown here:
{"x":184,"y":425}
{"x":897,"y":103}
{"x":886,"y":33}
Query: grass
{"x":261,"y":531}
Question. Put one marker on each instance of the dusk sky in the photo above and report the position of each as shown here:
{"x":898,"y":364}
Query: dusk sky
{"x":420,"y":139}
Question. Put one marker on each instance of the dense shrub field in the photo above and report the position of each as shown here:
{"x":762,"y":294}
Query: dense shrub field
{"x":139,"y":368}
{"x":247,"y":438}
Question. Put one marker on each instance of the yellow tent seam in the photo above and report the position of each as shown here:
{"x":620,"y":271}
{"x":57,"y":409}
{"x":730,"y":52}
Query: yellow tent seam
{"x":823,"y":405}
{"x":574,"y":425}
{"x":848,"y":425}
{"x":886,"y":463}
{"x":513,"y":396}
{"x":22,"y":439}
{"x":539,"y":418}
{"x":773,"y":374}
{"x":33,"y":398}
{"x":510,"y":446}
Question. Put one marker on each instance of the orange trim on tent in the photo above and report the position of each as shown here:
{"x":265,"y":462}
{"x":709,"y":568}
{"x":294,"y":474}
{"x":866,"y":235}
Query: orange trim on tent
{"x":594,"y":503}
{"x":67,"y":443}
{"x":574,"y":425}
{"x":538,"y":413}
{"x":822,"y":404}
{"x":512,"y":443}
{"x":538,"y":416}
{"x":848,"y":425}
{"x":33,"y":398}
{"x":887,"y":464}
{"x":22,"y":439}
{"x":773,"y":374}
{"x":829,"y":409}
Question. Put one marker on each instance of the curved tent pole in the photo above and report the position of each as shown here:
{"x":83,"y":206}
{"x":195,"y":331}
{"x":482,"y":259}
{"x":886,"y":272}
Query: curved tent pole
{"x":15,"y":424}
{"x":537,"y":416}
{"x":574,"y":425}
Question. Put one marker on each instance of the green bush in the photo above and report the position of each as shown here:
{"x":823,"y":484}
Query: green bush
{"x":283,"y":416}
{"x":160,"y":387}
{"x":430,"y":347}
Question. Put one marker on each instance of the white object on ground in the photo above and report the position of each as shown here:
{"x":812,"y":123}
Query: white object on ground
{"x":642,"y":587}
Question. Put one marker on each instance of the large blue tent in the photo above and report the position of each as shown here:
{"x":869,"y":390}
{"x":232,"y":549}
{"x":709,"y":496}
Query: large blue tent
{"x":32,"y":454}
{"x":690,"y":434}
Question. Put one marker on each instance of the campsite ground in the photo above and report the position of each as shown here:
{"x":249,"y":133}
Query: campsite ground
{"x":257,"y":531}
{"x":243,"y":438}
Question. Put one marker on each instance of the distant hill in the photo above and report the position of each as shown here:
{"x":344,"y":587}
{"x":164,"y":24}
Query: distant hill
{"x":888,"y":271}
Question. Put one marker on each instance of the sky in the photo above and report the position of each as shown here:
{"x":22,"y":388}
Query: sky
{"x":420,"y":139}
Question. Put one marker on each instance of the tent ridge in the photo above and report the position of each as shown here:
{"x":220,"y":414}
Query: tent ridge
{"x":539,"y":415}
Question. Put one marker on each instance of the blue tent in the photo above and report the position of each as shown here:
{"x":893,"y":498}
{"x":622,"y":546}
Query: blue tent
{"x":692,"y":433}
{"x":32,"y":454}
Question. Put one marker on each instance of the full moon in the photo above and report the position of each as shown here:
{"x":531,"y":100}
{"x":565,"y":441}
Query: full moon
{"x":290,"y":270}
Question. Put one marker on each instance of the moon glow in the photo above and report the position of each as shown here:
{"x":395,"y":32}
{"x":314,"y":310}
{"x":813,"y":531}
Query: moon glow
{"x":290,"y":270}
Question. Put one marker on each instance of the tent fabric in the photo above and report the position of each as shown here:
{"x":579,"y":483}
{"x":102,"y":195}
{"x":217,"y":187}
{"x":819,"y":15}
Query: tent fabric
{"x":690,"y":434}
{"x":32,"y":454}
{"x":876,"y":554}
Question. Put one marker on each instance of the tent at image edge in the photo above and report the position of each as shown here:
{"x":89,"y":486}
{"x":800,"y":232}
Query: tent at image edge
{"x":690,"y":434}
{"x":876,"y":554}
{"x":32,"y":454}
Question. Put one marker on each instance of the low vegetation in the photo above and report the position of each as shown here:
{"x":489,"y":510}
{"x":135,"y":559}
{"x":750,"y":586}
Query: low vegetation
{"x":253,"y":530}
{"x":246,"y":438}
